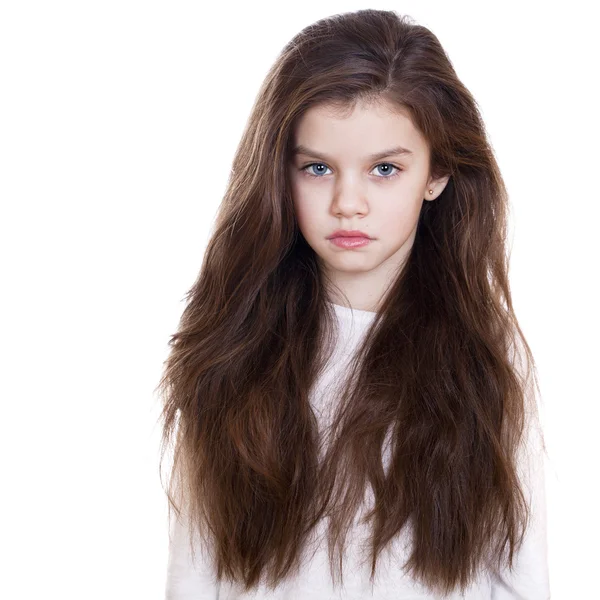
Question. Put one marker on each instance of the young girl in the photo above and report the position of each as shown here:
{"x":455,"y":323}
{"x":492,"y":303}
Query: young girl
{"x":350,"y":396}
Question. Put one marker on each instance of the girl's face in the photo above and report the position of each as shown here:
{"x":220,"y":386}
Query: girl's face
{"x":337,"y":182}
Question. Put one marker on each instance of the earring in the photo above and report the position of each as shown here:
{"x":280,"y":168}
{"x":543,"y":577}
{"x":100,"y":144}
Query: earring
{"x":431,"y":191}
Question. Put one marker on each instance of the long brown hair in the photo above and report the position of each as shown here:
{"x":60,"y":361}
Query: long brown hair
{"x":444,"y":366}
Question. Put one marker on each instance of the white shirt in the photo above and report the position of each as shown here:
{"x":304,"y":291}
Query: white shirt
{"x":189,"y":580}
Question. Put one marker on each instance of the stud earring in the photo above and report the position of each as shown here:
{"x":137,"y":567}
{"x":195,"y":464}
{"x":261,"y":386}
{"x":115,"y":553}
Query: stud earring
{"x":431,"y":191}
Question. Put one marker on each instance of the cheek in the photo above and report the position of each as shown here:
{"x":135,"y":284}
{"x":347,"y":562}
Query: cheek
{"x":300,"y":211}
{"x":401,"y":219}
{"x":307,"y":213}
{"x":397,"y":212}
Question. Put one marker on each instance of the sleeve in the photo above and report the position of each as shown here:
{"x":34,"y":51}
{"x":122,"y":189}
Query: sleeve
{"x":189,"y":577}
{"x":529,"y":579}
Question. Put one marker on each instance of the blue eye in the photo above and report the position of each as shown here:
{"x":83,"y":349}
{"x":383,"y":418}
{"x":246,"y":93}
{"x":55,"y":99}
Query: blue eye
{"x":385,"y":176}
{"x":312,"y":165}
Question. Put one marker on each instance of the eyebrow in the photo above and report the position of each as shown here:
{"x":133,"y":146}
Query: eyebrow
{"x":300,"y":149}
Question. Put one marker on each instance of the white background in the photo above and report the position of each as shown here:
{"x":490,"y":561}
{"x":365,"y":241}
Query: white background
{"x":118,"y":124}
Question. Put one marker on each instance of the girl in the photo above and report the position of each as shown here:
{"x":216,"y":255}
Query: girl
{"x":349,"y":395}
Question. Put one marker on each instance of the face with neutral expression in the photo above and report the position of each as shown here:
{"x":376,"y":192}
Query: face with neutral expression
{"x":368,"y":171}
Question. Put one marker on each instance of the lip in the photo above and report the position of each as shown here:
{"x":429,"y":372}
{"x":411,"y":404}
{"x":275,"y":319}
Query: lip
{"x":343,"y":241}
{"x":345,"y":233}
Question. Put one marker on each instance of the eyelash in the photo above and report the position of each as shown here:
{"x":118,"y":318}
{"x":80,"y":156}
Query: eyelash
{"x":398,"y":170}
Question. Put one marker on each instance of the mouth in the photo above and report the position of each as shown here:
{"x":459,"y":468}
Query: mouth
{"x":344,"y":241}
{"x":352,"y":235}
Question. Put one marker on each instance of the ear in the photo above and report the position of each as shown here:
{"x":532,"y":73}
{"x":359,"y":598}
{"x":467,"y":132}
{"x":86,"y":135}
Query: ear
{"x":437,"y":185}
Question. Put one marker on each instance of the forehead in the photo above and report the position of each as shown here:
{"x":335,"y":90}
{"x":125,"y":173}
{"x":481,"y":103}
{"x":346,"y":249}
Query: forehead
{"x":360,"y":131}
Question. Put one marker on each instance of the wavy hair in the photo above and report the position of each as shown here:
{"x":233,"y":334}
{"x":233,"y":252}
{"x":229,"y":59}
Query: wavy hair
{"x":444,"y":367}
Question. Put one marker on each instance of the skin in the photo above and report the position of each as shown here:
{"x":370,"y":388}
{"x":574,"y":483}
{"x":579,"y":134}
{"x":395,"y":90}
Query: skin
{"x":351,"y":191}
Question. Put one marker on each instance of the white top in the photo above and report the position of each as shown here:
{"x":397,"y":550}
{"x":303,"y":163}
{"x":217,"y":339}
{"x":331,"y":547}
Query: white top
{"x":530,"y":580}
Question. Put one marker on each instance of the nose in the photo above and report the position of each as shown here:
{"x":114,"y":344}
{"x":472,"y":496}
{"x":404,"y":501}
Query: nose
{"x":350,"y":196}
